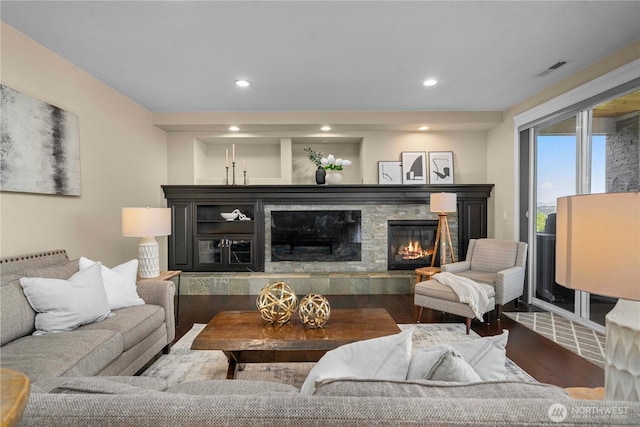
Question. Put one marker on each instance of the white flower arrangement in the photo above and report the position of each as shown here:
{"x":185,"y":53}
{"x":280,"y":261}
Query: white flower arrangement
{"x":331,"y":163}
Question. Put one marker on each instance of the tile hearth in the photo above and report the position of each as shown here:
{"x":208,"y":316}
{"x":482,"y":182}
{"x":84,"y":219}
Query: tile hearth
{"x":342,"y":283}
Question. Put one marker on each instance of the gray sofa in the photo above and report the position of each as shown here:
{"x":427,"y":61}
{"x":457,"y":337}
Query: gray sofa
{"x":78,"y":386}
{"x":120,"y":345}
{"x":144,"y":401}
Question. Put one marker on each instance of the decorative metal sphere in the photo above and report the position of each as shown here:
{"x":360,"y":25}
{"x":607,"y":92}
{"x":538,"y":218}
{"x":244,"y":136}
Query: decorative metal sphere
{"x":277,"y":302}
{"x":314,"y":310}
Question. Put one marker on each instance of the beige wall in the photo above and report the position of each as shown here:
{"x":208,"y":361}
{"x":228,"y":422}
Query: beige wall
{"x":469,"y":148}
{"x":123,"y":161}
{"x":501,"y":144}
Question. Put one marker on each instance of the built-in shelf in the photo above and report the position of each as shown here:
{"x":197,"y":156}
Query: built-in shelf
{"x":196,"y":207}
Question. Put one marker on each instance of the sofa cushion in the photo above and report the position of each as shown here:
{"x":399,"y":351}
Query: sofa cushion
{"x":493,"y":255}
{"x":134,"y":323}
{"x":73,"y":353}
{"x":58,"y":271}
{"x":102,"y":385}
{"x":438,"y":389}
{"x":17,"y":317}
{"x":235,"y":387}
{"x":487,"y":356}
{"x":451,"y":366}
{"x":119,"y":283}
{"x":385,"y":358}
{"x":63,"y":305}
{"x":434,"y":289}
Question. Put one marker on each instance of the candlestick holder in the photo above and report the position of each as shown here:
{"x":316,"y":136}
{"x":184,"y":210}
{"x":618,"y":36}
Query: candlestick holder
{"x":245,"y":177}
{"x":226,"y":176}
{"x":233,"y":166}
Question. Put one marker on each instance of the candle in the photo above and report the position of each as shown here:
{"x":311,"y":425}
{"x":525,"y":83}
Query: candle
{"x":233,"y":149}
{"x":227,"y":150}
{"x":244,"y":162}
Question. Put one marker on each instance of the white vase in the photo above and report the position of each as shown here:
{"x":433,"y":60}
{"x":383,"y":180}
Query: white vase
{"x":333,"y":178}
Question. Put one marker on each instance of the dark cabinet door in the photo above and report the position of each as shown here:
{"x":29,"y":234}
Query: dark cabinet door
{"x":225,"y":253}
{"x":181,"y":238}
{"x":472,"y":223}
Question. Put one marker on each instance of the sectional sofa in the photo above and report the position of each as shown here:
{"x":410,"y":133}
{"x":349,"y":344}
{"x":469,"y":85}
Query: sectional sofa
{"x":85,"y":378}
{"x":119,"y":345}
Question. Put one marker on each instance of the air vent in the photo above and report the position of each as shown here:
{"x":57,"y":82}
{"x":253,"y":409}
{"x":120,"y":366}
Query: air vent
{"x":557,"y":65}
{"x":552,"y":68}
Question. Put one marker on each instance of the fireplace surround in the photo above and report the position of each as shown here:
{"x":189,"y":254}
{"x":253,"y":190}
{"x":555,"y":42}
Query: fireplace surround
{"x":378,"y":203}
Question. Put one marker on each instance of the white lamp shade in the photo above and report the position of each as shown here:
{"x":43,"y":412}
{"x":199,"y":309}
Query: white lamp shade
{"x":146,"y":222}
{"x":443,"y":202}
{"x":598,"y":244}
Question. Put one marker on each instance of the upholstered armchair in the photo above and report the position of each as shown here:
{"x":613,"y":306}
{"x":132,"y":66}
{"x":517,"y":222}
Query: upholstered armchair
{"x":499,"y":263}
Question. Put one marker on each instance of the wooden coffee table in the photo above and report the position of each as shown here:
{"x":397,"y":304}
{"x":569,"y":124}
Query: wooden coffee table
{"x":245,"y":337}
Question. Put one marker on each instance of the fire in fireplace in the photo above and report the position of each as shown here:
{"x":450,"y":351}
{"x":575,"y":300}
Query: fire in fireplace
{"x":411,"y":243}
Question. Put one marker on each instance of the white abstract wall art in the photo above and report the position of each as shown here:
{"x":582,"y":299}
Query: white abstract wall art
{"x":414,"y":168}
{"x":40,"y":146}
{"x":441,"y":167}
{"x":389,"y":173}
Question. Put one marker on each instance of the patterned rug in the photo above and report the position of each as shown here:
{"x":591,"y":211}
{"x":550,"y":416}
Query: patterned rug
{"x":579,"y":339}
{"x":183,"y":364}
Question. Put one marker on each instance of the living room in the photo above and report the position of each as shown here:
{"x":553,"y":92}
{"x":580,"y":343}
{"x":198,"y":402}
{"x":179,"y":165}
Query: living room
{"x":129,"y":150}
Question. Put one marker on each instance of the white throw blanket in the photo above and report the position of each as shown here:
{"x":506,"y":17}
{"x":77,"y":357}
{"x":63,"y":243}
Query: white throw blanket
{"x":468,"y":291}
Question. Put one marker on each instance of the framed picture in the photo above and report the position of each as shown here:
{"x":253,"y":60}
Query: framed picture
{"x":440,"y":167}
{"x":40,"y":146}
{"x":389,"y":173}
{"x":414,"y":168}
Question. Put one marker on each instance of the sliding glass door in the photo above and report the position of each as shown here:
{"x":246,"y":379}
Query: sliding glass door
{"x":592,"y":149}
{"x":556,"y":148}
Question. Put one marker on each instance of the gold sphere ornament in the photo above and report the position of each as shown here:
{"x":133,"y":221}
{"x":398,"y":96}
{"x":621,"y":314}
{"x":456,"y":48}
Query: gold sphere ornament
{"x":314,"y":310}
{"x":277,"y":302}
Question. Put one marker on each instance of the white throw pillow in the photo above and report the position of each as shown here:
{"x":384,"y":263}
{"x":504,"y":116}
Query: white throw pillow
{"x":452,"y":367}
{"x":378,"y":358}
{"x":63,"y":305}
{"x":119,"y":283}
{"x":487,"y":356}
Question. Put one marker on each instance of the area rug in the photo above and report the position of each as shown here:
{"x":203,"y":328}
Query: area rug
{"x":584,"y":342}
{"x":183,"y":364}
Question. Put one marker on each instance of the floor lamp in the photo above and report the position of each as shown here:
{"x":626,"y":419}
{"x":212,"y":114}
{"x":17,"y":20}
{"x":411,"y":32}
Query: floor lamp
{"x":442,"y":203}
{"x":147,"y":223}
{"x":598,"y":251}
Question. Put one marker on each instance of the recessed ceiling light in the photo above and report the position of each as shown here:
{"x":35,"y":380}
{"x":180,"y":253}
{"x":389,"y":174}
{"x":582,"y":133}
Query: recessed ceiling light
{"x":430,"y":82}
{"x":325,"y":128}
{"x":243,"y":83}
{"x":234,"y":128}
{"x":423,"y":128}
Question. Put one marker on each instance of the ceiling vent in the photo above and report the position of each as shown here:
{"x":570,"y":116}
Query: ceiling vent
{"x":552,"y":68}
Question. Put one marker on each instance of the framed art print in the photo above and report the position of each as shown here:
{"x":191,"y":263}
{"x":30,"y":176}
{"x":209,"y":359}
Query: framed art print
{"x":414,"y":170}
{"x":440,"y":167}
{"x":389,"y":173}
{"x":40,"y":146}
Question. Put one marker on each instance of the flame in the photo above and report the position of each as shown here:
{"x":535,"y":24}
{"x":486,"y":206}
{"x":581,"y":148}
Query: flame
{"x":413,"y":250}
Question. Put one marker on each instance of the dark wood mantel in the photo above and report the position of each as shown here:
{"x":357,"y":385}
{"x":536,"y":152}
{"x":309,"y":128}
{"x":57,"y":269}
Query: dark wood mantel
{"x":186,"y":200}
{"x":363,"y":193}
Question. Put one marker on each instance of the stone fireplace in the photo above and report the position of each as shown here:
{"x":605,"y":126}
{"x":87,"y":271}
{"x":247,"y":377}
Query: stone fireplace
{"x":373,"y":236}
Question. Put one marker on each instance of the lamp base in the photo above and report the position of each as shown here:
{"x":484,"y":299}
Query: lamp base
{"x":148,"y":258}
{"x":622,"y":368}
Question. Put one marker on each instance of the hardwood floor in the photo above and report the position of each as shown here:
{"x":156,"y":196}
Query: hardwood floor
{"x":543,"y":359}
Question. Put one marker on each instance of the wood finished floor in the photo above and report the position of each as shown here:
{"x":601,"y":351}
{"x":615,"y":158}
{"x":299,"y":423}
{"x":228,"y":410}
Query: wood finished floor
{"x":545,"y":360}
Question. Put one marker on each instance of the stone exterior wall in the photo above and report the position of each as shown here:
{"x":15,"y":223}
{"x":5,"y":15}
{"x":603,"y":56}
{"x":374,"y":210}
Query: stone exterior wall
{"x":374,"y":237}
{"x":623,"y":157}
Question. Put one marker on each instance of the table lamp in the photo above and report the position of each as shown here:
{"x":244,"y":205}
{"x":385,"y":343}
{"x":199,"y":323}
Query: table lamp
{"x":147,"y":223}
{"x":598,"y":251}
{"x":442,"y":203}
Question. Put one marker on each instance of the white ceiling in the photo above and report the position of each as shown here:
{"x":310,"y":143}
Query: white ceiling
{"x":328,"y":55}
